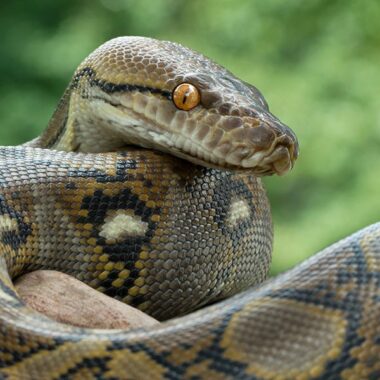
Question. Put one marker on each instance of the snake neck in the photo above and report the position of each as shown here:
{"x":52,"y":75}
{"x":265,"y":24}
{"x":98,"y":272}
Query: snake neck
{"x":92,"y":124}
{"x":60,"y":128}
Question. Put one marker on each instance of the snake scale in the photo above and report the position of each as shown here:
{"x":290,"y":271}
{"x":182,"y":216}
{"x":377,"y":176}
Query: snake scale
{"x":179,"y":227}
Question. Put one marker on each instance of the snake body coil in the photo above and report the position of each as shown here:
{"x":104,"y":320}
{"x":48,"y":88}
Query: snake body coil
{"x":170,"y":233}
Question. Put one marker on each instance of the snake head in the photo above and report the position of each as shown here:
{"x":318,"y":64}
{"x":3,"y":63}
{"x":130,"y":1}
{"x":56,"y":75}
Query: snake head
{"x":238,"y":127}
{"x":161,"y":95}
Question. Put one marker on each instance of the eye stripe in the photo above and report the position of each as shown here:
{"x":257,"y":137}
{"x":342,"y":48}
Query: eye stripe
{"x":111,"y":88}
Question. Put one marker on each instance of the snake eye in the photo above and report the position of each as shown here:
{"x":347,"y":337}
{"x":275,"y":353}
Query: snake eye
{"x":186,"y":96}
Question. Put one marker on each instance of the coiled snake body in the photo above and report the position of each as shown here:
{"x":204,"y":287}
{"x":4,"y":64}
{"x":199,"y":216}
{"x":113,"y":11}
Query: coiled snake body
{"x":169,"y":233}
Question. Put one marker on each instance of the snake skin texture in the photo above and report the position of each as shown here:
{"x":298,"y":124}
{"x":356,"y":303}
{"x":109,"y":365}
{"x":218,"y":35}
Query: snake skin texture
{"x":170,"y":231}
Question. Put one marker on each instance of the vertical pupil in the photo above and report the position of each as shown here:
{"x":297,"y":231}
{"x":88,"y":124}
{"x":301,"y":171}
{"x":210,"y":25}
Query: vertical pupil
{"x":185,"y":96}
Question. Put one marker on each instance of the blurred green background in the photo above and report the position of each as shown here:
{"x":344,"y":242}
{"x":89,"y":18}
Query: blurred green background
{"x":317,"y":63}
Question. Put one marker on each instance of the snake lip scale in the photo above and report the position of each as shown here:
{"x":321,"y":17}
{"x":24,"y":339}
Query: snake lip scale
{"x":146,"y":186}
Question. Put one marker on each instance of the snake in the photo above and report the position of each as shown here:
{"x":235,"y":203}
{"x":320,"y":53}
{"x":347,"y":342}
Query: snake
{"x":147,"y":186}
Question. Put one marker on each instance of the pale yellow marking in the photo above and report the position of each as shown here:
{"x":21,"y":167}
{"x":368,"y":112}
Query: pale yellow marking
{"x":8,"y":224}
{"x":121,"y":225}
{"x":239,"y":210}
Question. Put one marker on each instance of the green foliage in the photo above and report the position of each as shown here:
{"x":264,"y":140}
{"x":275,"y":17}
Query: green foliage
{"x":317,"y":62}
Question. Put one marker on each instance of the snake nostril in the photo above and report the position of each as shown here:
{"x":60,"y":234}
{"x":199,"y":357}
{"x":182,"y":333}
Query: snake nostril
{"x":288,"y":142}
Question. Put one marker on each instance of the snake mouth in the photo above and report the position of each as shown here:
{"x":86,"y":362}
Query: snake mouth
{"x":279,"y":159}
{"x":275,"y":156}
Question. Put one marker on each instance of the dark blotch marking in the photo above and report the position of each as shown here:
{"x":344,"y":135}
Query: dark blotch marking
{"x":354,"y":270}
{"x":14,"y":239}
{"x":123,"y":166}
{"x":98,"y":206}
{"x":224,"y":191}
{"x":97,"y":365}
